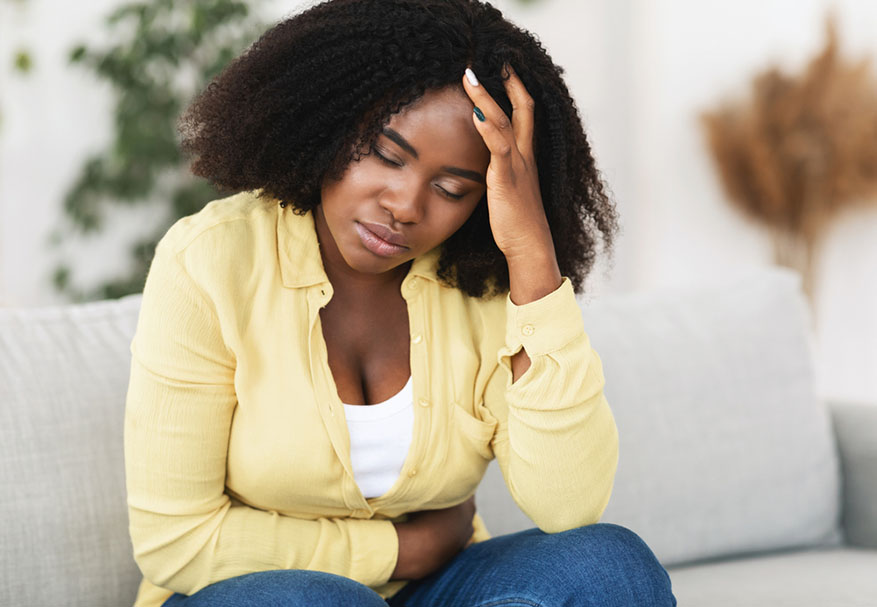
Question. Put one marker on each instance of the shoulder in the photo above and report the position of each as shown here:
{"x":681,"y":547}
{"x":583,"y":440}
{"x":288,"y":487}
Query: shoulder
{"x":221,"y":244}
{"x":225,"y":220}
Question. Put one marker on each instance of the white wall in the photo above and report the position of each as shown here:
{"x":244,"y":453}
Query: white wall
{"x":51,"y":119}
{"x":640,"y":70}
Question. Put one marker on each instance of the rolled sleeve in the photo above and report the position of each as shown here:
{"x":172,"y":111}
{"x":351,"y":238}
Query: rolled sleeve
{"x":545,"y":325}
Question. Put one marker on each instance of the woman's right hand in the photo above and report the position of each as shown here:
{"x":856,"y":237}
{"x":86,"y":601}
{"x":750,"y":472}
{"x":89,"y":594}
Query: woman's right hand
{"x":431,"y":538}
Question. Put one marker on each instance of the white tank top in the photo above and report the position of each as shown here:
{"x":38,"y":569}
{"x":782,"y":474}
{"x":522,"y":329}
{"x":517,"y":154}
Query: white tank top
{"x":380,"y":436}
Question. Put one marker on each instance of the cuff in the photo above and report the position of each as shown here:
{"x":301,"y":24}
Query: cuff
{"x":544,"y":325}
{"x":375,"y":550}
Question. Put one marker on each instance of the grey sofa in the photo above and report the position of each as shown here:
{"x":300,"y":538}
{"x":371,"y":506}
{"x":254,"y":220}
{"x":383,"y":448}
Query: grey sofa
{"x":749,"y":490}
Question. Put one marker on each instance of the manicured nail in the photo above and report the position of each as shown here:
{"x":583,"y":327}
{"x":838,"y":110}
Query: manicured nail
{"x":470,"y":75}
{"x":478,"y":113}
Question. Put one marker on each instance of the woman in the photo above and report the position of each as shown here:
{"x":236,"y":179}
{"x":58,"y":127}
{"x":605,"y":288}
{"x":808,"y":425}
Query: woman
{"x":325,"y":362}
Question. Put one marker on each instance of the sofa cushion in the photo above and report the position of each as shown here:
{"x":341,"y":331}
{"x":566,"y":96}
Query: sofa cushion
{"x":63,"y":378}
{"x":809,"y":578}
{"x":724,"y":446}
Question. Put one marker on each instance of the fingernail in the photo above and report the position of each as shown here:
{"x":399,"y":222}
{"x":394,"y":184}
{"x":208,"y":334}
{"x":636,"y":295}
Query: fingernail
{"x":478,"y":113}
{"x":470,"y":76}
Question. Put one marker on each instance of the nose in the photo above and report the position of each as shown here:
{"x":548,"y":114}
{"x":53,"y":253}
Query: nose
{"x":405,"y":202}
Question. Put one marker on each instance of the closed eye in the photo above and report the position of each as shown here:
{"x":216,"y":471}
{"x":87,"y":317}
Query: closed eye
{"x":386,"y":160}
{"x":389,"y":162}
{"x":450,"y":195}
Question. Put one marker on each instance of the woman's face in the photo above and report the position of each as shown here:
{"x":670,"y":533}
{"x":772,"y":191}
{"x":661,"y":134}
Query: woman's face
{"x":420,"y":183}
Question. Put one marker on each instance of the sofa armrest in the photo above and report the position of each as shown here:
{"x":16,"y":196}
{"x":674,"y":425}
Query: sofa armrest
{"x":855,"y":425}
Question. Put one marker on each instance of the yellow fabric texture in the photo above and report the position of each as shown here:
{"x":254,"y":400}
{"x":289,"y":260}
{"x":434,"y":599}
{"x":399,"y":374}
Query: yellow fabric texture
{"x":237,"y":455}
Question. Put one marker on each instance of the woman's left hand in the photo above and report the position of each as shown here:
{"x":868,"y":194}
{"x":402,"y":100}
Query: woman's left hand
{"x":514,"y":201}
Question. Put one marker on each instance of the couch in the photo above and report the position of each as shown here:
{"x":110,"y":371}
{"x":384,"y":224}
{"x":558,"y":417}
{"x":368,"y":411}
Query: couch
{"x":750,"y":490}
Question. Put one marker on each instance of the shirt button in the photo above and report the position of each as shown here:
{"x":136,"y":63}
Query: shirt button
{"x":412,"y":284}
{"x":424,"y":402}
{"x":528,"y":330}
{"x":417,"y":339}
{"x":412,"y":473}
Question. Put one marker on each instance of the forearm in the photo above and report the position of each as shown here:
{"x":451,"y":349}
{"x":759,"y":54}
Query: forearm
{"x":557,"y":444}
{"x":559,"y":456}
{"x":187,"y":552}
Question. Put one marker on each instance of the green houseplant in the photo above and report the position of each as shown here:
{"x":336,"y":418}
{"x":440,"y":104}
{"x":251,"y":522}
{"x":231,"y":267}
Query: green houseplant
{"x":164,"y":52}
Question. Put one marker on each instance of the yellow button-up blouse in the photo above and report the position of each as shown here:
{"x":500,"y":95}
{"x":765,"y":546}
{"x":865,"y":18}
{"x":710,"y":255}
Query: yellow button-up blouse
{"x":237,"y":454}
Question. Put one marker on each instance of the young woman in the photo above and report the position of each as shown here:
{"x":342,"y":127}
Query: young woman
{"x":326,"y":361}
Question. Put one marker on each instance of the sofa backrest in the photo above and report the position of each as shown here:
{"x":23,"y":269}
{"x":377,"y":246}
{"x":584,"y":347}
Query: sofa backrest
{"x":63,"y":379}
{"x":725,"y":448}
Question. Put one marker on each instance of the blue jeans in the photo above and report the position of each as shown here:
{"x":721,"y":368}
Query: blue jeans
{"x":601,"y":565}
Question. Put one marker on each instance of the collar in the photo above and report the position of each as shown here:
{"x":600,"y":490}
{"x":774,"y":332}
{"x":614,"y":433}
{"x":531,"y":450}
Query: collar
{"x":299,"y":252}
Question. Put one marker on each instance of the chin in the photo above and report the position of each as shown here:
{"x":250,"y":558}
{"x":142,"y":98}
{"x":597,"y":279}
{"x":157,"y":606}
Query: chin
{"x":363,"y":260}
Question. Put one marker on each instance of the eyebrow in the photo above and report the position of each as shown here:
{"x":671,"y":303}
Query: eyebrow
{"x":402,"y":143}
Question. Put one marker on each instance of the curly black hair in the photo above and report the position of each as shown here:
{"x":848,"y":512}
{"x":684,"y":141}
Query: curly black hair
{"x":313,"y":93}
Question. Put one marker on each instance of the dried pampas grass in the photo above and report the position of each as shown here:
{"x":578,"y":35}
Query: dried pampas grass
{"x":800,"y":149}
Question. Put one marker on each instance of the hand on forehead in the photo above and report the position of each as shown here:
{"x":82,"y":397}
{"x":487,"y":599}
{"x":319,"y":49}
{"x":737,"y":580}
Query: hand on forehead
{"x":503,"y":136}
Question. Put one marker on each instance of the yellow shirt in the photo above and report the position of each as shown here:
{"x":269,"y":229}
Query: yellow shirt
{"x":236,"y":447}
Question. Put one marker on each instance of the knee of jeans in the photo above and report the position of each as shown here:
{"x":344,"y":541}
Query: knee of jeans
{"x":628,"y":567}
{"x":291,"y":587}
{"x":320,"y":588}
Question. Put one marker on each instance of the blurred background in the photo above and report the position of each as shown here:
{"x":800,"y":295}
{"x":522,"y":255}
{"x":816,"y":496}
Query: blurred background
{"x":732,"y":135}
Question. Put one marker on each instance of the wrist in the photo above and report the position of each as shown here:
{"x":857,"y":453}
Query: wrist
{"x":526,"y":250}
{"x":533,"y":277}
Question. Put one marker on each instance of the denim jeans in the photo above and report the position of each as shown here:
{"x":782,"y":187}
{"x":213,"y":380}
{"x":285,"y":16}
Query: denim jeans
{"x":601,"y":565}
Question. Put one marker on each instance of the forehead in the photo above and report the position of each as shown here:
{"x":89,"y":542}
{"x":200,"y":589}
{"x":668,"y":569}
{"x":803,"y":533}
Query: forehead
{"x":440,"y":123}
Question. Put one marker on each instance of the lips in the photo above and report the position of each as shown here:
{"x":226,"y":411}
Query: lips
{"x":385,"y":233}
